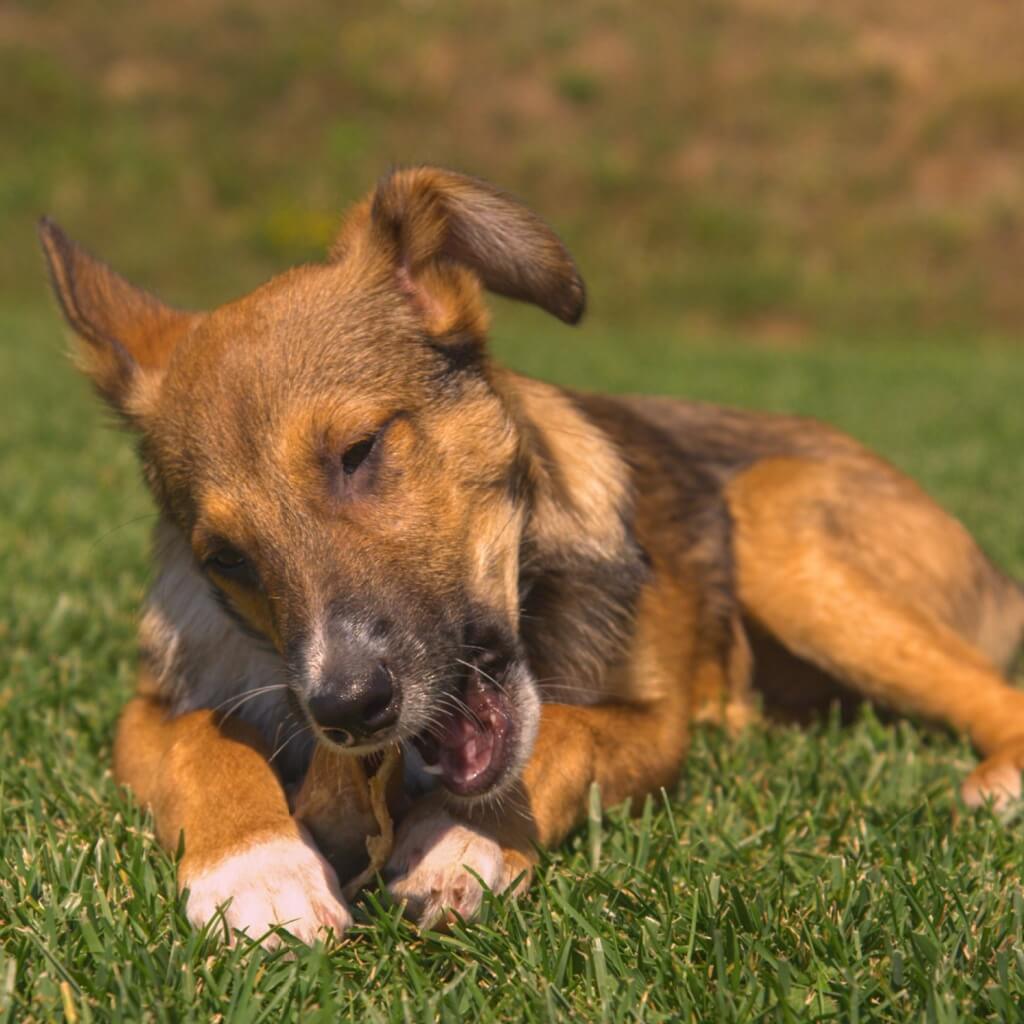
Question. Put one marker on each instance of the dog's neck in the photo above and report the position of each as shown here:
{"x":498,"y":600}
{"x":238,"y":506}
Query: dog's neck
{"x":581,"y":567}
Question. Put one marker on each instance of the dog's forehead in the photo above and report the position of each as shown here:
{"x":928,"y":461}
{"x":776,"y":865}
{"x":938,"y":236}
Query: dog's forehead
{"x":308,"y":322}
{"x":308,"y":331}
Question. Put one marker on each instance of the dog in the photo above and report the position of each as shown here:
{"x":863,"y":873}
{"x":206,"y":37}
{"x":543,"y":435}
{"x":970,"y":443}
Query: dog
{"x":372,"y":534}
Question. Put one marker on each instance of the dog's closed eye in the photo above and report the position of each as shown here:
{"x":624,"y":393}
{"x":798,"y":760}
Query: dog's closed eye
{"x":357,"y":454}
{"x":355,"y":473}
{"x":227,"y":561}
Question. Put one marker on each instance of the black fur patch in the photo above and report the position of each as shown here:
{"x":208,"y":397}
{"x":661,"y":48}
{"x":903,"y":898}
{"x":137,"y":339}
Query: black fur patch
{"x":577,"y":614}
{"x":460,"y":353}
{"x":683,"y":501}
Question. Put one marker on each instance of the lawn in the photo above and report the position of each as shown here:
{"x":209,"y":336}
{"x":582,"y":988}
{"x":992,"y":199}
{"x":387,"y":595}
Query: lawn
{"x":792,"y":875}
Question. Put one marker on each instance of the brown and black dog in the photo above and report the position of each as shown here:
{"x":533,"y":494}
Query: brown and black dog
{"x":371,"y":534}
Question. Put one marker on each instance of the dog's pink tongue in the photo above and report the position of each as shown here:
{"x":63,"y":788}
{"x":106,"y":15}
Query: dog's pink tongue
{"x":472,"y":744}
{"x":466,"y":751}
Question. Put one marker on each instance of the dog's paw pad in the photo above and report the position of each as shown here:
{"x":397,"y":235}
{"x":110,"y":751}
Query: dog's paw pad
{"x":277,"y":882}
{"x":437,"y":868}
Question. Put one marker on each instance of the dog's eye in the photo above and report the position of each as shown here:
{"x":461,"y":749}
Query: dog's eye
{"x":357,"y":454}
{"x":227,"y":561}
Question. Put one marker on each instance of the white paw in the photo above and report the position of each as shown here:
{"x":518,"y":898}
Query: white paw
{"x":1000,"y":784}
{"x":434,"y":865}
{"x":997,"y":780}
{"x":277,"y":882}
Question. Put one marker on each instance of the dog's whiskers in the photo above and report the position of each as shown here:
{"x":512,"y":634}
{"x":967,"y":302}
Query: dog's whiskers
{"x":241,"y":699}
{"x":477,"y":668}
{"x":296,"y":732}
{"x":459,"y":706}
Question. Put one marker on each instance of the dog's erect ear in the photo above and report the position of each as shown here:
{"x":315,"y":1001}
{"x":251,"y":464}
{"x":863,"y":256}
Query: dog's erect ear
{"x":433,"y":225}
{"x":125,"y":334}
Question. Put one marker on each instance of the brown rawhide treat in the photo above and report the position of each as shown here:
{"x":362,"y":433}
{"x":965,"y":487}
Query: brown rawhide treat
{"x":378,"y":846}
{"x":347,"y":811}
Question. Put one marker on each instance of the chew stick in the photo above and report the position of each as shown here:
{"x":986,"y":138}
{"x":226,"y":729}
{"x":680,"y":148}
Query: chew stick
{"x":347,"y":811}
{"x":378,"y":846}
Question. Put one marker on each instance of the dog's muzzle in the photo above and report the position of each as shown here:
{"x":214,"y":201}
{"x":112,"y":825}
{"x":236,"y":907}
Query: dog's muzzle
{"x":470,"y":748}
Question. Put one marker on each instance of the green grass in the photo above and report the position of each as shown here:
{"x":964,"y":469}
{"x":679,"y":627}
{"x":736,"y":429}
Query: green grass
{"x":792,"y":875}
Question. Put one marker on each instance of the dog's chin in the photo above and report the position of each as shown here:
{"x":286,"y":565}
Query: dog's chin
{"x":480,"y":743}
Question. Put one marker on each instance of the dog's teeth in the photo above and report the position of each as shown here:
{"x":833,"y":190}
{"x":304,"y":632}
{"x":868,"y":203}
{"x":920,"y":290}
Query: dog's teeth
{"x":432,"y":769}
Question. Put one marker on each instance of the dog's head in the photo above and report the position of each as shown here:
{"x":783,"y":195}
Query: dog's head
{"x":348,"y":473}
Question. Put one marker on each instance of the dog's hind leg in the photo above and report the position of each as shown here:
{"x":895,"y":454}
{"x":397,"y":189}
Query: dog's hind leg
{"x":866,"y":581}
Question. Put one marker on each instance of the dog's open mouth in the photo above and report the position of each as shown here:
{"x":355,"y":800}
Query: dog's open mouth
{"x":468,"y":750}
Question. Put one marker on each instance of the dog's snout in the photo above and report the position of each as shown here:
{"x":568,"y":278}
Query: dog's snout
{"x":355,"y":708}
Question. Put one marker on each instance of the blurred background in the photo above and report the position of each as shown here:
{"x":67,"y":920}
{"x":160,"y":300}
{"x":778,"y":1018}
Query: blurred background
{"x":781,"y":172}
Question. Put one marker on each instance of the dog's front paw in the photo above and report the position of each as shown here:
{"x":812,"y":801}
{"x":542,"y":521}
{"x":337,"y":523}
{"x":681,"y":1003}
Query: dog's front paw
{"x":996,"y":779}
{"x":281,"y":881}
{"x":438,"y":865}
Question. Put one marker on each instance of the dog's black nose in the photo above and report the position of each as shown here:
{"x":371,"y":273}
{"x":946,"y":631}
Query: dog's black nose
{"x":354,"y":710}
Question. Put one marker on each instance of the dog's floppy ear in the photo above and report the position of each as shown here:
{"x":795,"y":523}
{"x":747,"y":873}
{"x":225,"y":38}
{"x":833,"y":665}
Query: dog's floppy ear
{"x":432,"y":226}
{"x":125,"y":334}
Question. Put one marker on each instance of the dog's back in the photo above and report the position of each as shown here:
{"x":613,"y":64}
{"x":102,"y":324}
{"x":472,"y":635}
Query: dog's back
{"x":877,"y":519}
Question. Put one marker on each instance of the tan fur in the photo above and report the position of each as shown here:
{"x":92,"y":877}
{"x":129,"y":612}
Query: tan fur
{"x":204,"y":777}
{"x":641,"y":564}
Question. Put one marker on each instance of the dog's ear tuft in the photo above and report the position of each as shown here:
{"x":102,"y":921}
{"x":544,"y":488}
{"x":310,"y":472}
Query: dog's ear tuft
{"x":125,"y":334}
{"x":435,"y":225}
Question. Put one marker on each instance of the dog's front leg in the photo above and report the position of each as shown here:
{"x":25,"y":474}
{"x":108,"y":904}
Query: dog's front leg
{"x":210,"y":782}
{"x":442,"y":854}
{"x":440,"y":860}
